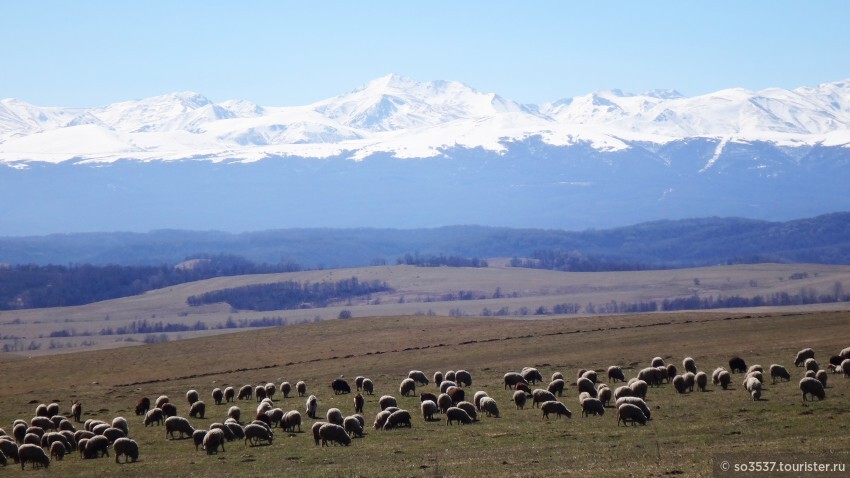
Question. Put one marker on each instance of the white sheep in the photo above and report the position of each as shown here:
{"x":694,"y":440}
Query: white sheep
{"x":476,"y":399}
{"x":811,"y":386}
{"x":639,"y":388}
{"x":690,"y":380}
{"x":630,"y":413}
{"x":592,"y":406}
{"x":463,"y":378}
{"x":57,"y":450}
{"x":638,"y":402}
{"x":604,"y":395}
{"x":127,"y":447}
{"x":780,"y":372}
{"x":333,"y":433}
{"x":690,"y":365}
{"x":623,"y":391}
{"x":490,"y":407}
{"x":312,"y":406}
{"x":33,"y":454}
{"x":387,"y":401}
{"x":256,"y":434}
{"x":556,"y":387}
{"x":368,"y":386}
{"x":285,"y":389}
{"x":679,"y":384}
{"x":353,"y":426}
{"x":753,"y":385}
{"x":615,"y":373}
{"x":234,"y":412}
{"x":217,"y":396}
{"x":381,"y":419}
{"x":512,"y":379}
{"x":519,"y":399}
{"x":811,"y":364}
{"x":702,"y":381}
{"x":160,"y":401}
{"x":398,"y":419}
{"x":821,"y":376}
{"x":419,"y":377}
{"x":802,"y":355}
{"x":290,"y":420}
{"x":121,"y":424}
{"x":178,"y":424}
{"x":539,"y":396}
{"x":657,"y":362}
{"x":154,"y":415}
{"x":301,"y":388}
{"x":429,"y":409}
{"x":407,"y":387}
{"x":456,"y":414}
{"x":335,"y":416}
{"x":212,"y":440}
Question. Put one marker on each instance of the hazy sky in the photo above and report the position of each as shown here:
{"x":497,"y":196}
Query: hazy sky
{"x":91,"y":53}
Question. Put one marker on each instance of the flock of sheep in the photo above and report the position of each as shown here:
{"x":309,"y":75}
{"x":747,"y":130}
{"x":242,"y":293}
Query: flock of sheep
{"x":51,"y":436}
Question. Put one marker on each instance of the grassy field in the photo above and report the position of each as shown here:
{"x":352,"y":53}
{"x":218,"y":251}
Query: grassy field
{"x":417,"y":291}
{"x":684,"y":432}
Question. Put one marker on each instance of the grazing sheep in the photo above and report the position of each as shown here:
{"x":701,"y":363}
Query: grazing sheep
{"x":469,"y":408}
{"x":42,"y":422}
{"x":315,"y":429}
{"x":679,"y":384}
{"x":217,"y":396}
{"x":585,"y":385}
{"x":57,"y":450}
{"x":198,"y":437}
{"x":636,"y":402}
{"x":340,"y":386}
{"x":358,"y":382}
{"x":702,"y":381}
{"x":639,"y":388}
{"x":623,"y":391}
{"x":312,"y":406}
{"x":628,"y":413}
{"x":81,"y":434}
{"x":330,"y":432}
{"x":260,"y":393}
{"x":657,"y":362}
{"x":524,"y":387}
{"x":737,"y":365}
{"x":100,"y":428}
{"x":615,"y":374}
{"x":429,"y":409}
{"x":270,"y":390}
{"x":96,"y":447}
{"x":419,"y":377}
{"x":41,"y":410}
{"x":334,"y":416}
{"x":32,"y":438}
{"x":387,"y":401}
{"x":438,"y":377}
{"x":821,"y":376}
{"x":811,"y":364}
{"x":154,"y":415}
{"x":605,"y":395}
{"x":407,"y":387}
{"x":490,"y":407}
{"x":246,"y":392}
{"x":463,"y":378}
{"x":179,"y":425}
{"x":725,"y":378}
{"x":229,"y":394}
{"x":285,"y":389}
{"x":359,"y":401}
{"x":121,"y":424}
{"x":652,"y":376}
{"x":291,"y":419}
{"x":10,"y":449}
{"x":512,"y":379}
{"x":780,"y":372}
{"x":192,"y":396}
{"x":368,"y":386}
{"x":33,"y":454}
{"x":459,"y":415}
{"x":519,"y":399}
{"x":161,"y":400}
{"x":531,"y":375}
{"x":690,"y":380}
{"x":590,"y":375}
{"x":556,"y":387}
{"x":198,"y":409}
{"x":592,"y":406}
{"x":476,"y":399}
{"x":690,"y":365}
{"x":226,"y":430}
{"x":802,"y":355}
{"x":444,"y":402}
{"x":753,"y":385}
{"x":52,"y":410}
{"x":301,"y":388}
{"x":257,"y":433}
{"x":126,"y":447}
{"x":113,"y":434}
{"x":580,"y":372}
{"x":143,"y":405}
{"x":234,"y":412}
{"x":557,"y":376}
{"x":381,"y":419}
{"x":450,"y":376}
{"x":539,"y":396}
{"x":556,"y":407}
{"x":845,"y":367}
{"x":446,"y":384}
{"x":457,"y":394}
{"x":212,"y":440}
{"x":397,"y":419}
{"x":353,"y":426}
{"x":845,"y":353}
{"x":275,"y":416}
{"x":811,"y":386}
{"x":671,"y":372}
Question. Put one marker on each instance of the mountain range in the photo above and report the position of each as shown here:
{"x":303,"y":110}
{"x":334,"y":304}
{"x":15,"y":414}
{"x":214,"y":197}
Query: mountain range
{"x":397,"y":153}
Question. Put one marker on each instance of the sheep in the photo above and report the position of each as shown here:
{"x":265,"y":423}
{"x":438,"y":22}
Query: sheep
{"x":652,"y":376}
{"x":275,"y":416}
{"x":291,"y":419}
{"x":301,"y":388}
{"x":10,"y":449}
{"x":802,"y":355}
{"x":429,"y":409}
{"x":192,"y":396}
{"x":212,"y":440}
{"x":256,"y":434}
{"x":234,"y":412}
{"x":821,"y":376}
{"x":340,"y":386}
{"x":679,"y":384}
{"x":780,"y":372}
{"x":260,"y":393}
{"x":42,"y":422}
{"x":724,"y":378}
{"x":845,"y":353}
{"x":845,"y":367}
{"x":605,"y":395}
{"x":335,"y":416}
{"x":539,"y":396}
{"x":615,"y":373}
{"x":381,"y":419}
{"x":556,"y":407}
{"x":512,"y":379}
{"x":228,"y":433}
{"x":631,"y":413}
{"x":519,"y":399}
{"x":57,"y":450}
{"x":476,"y":399}
{"x":198,"y":409}
{"x":217,"y":396}
{"x":623,"y":391}
{"x":524,"y":387}
{"x":271,"y":389}
{"x":169,"y":410}
{"x":556,"y":387}
{"x":592,"y":406}
{"x":469,"y":408}
{"x":32,"y":438}
{"x":418,"y":377}
{"x":229,"y":394}
{"x":756,"y":374}
{"x":359,"y":401}
{"x":387,"y":401}
{"x":490,"y":407}
{"x":463,"y":378}
{"x":52,"y":410}
{"x":580,"y":372}
{"x":450,"y":376}
{"x":657,"y":362}
{"x":459,"y":415}
{"x":531,"y":375}
{"x":737,"y":365}
{"x":358,"y":382}
{"x":100,"y":428}
{"x":586,"y":385}
{"x":438,"y":377}
{"x":161,"y":400}
{"x":456,"y":393}
{"x":34,"y":454}
{"x":639,"y":388}
{"x":178,"y":424}
{"x":41,"y":410}
{"x":398,"y":419}
{"x":96,"y":446}
{"x":640,"y":403}
{"x":690,"y":365}
{"x":690,"y":380}
{"x":153,"y":415}
{"x":330,"y":432}
{"x":127,"y":447}
{"x":353,"y":426}
{"x":55,"y":437}
{"x":312,"y":406}
{"x":702,"y":381}
{"x":557,"y":376}
{"x":113,"y":434}
{"x":753,"y":385}
{"x":285,"y":389}
{"x":811,"y":386}
{"x":811,"y":364}
{"x":368,"y":386}
{"x":407,"y":387}
{"x":315,"y":429}
{"x":246,"y":392}
{"x":198,"y":437}
{"x":77,"y":411}
{"x":590,"y":375}
{"x":80,"y":434}
{"x":446,"y":384}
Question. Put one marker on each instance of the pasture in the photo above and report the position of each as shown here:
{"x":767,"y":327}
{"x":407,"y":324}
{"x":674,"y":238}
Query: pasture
{"x":684,"y":431}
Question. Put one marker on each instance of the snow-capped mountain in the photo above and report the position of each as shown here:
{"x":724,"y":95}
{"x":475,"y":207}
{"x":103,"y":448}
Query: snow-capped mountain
{"x":404,"y":118}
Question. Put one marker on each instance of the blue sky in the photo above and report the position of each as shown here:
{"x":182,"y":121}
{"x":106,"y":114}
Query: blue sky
{"x":91,"y":53}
